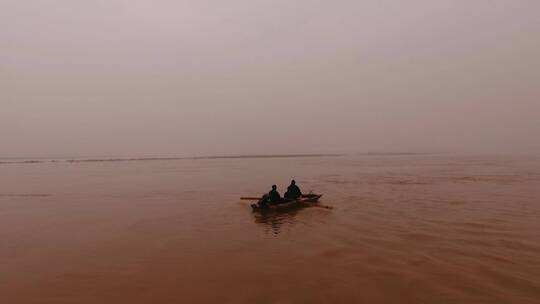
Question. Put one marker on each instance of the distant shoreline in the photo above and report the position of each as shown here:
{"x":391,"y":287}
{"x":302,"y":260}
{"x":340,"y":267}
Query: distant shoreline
{"x":398,"y":153}
{"x":125,"y":159}
{"x":41,"y":160}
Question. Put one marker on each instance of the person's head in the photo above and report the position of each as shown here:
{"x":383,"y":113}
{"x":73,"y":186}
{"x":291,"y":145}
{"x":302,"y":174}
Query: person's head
{"x":293,"y":182}
{"x":274,"y":187}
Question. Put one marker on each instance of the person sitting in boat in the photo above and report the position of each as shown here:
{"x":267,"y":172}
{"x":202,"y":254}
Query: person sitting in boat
{"x":293,"y":192}
{"x":263,"y":202}
{"x":273,"y":195}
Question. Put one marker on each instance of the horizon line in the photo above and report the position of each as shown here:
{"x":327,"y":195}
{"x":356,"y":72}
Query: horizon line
{"x":29,"y":160}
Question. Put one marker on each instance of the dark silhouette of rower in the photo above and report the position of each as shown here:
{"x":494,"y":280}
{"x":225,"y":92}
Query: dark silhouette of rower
{"x":293,"y":192}
{"x":273,"y":195}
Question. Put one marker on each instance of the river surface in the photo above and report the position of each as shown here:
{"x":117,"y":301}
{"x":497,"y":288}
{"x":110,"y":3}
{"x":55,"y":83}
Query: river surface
{"x":403,"y":229}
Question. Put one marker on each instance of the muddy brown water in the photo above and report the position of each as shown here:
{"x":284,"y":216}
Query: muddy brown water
{"x":404,"y":229}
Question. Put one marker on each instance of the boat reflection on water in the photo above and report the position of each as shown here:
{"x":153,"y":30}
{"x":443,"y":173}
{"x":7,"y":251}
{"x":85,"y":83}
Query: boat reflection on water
{"x":273,"y":221}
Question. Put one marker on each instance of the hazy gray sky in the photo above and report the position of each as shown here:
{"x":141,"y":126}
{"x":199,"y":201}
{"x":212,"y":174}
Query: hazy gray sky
{"x":205,"y":77}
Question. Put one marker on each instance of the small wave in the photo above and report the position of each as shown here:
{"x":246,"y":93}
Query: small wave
{"x":403,"y":180}
{"x":420,"y":236}
{"x":500,"y":179}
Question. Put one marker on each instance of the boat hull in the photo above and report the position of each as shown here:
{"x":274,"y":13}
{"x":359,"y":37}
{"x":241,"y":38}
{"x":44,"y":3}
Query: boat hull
{"x":303,"y":201}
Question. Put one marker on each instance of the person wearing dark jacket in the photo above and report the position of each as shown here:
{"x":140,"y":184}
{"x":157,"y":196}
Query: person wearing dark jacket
{"x":274,"y":196}
{"x":293,"y":192}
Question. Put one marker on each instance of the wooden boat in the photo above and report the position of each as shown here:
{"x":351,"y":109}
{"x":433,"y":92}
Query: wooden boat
{"x":304,"y":200}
